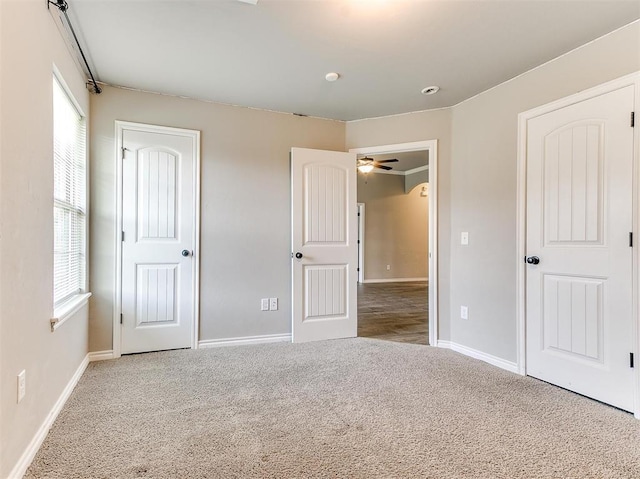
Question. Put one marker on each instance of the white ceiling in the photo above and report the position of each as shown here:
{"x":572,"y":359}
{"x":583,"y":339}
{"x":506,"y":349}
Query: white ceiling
{"x":408,"y":160}
{"x":274,"y":55}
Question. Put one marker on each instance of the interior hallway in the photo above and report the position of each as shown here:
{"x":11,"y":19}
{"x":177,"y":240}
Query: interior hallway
{"x":394,"y":311}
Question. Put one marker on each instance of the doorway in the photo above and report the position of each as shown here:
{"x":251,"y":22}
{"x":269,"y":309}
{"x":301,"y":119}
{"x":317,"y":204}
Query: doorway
{"x":396,"y":302}
{"x":157,"y":248}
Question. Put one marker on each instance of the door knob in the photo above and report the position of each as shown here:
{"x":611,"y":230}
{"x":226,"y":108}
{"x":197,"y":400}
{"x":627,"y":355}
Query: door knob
{"x":298,"y":255}
{"x":186,"y":252}
{"x":532,"y":260}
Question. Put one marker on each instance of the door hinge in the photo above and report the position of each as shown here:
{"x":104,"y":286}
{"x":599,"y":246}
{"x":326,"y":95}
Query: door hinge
{"x":630,"y":360}
{"x":121,"y":315}
{"x":357,"y":269}
{"x":122,"y":239}
{"x":630,"y":239}
{"x":633,"y":119}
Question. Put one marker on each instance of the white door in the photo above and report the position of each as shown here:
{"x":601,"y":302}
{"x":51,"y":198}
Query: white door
{"x":579,"y":216}
{"x":158,"y":222}
{"x":325,"y":253}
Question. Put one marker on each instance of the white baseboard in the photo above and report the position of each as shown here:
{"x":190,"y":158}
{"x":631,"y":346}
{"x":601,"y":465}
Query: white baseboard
{"x":101,"y":355}
{"x":474,"y":353}
{"x":395,"y":280}
{"x":27,"y":456}
{"x":268,"y":338}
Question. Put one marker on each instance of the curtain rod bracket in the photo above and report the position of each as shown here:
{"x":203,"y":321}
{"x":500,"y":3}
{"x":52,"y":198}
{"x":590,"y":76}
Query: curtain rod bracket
{"x":61,"y":5}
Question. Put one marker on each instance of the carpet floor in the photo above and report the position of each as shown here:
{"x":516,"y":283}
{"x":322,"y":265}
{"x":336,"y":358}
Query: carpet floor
{"x":358,"y":408}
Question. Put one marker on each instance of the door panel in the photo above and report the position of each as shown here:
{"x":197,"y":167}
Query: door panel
{"x":579,"y":215}
{"x":325,"y":233}
{"x":158,"y":281}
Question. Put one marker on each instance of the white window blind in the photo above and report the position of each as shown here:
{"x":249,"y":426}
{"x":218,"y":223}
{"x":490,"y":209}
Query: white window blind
{"x":69,"y":198}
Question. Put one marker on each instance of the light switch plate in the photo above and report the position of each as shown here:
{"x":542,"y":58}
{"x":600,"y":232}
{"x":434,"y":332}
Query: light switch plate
{"x":464,"y":238}
{"x":22,"y":385}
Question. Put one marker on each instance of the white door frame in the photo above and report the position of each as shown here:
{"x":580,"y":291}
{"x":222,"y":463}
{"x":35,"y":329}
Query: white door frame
{"x":361,"y":209}
{"x":523,"y":118}
{"x":432,"y":147}
{"x":195,"y":135}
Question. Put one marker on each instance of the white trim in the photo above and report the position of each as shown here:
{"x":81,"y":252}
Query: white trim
{"x":68,"y":309}
{"x":394,"y":280}
{"x":432,"y":147}
{"x":378,"y":171}
{"x":523,"y":118}
{"x":400,"y":173}
{"x":361,"y":226}
{"x":27,"y":456}
{"x":510,"y":366}
{"x":267,"y":338}
{"x":397,"y":148}
{"x":101,"y":355}
{"x":195,"y":135}
{"x":65,"y":86}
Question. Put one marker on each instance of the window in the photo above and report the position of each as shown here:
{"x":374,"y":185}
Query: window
{"x":69,"y":199}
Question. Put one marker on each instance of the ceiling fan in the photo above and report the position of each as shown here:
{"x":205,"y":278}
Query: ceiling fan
{"x":366,"y":164}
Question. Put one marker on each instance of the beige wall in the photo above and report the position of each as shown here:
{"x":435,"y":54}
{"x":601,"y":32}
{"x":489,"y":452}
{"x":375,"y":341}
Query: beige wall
{"x":245,"y":219}
{"x":396,"y":228}
{"x":427,"y":125}
{"x":477,"y":183}
{"x":483,"y":185}
{"x":30,"y":46}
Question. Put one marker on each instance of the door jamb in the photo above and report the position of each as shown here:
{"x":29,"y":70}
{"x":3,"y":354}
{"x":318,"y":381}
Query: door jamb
{"x":523,"y":118}
{"x":361,"y":210}
{"x":432,"y":147}
{"x":120,"y":126}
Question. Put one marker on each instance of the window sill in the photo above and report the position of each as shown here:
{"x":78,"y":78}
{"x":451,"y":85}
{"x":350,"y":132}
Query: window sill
{"x":68,"y":309}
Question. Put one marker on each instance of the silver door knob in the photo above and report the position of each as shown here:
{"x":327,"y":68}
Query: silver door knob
{"x":186,"y":252}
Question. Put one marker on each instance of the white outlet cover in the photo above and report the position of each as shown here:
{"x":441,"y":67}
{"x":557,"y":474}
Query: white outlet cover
{"x":273,"y":304}
{"x":464,"y":312}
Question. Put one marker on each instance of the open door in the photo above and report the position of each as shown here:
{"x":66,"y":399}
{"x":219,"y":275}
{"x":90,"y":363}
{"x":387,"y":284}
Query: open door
{"x":324,"y":242}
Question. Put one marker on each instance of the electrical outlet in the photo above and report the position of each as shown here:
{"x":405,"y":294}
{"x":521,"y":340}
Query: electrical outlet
{"x":464,"y":312}
{"x":273,"y":304}
{"x":22,"y":385}
{"x":464,"y":238}
{"x":388,"y":267}
{"x":264,"y":304}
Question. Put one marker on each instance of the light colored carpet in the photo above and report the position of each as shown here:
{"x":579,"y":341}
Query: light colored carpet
{"x":358,"y":408}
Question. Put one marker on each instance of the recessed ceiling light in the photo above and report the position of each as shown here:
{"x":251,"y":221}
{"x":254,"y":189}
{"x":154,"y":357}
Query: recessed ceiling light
{"x":333,"y":76}
{"x":430,"y":90}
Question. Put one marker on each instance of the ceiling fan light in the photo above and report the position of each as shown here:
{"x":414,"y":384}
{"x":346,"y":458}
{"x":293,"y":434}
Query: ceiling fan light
{"x":366,"y":168}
